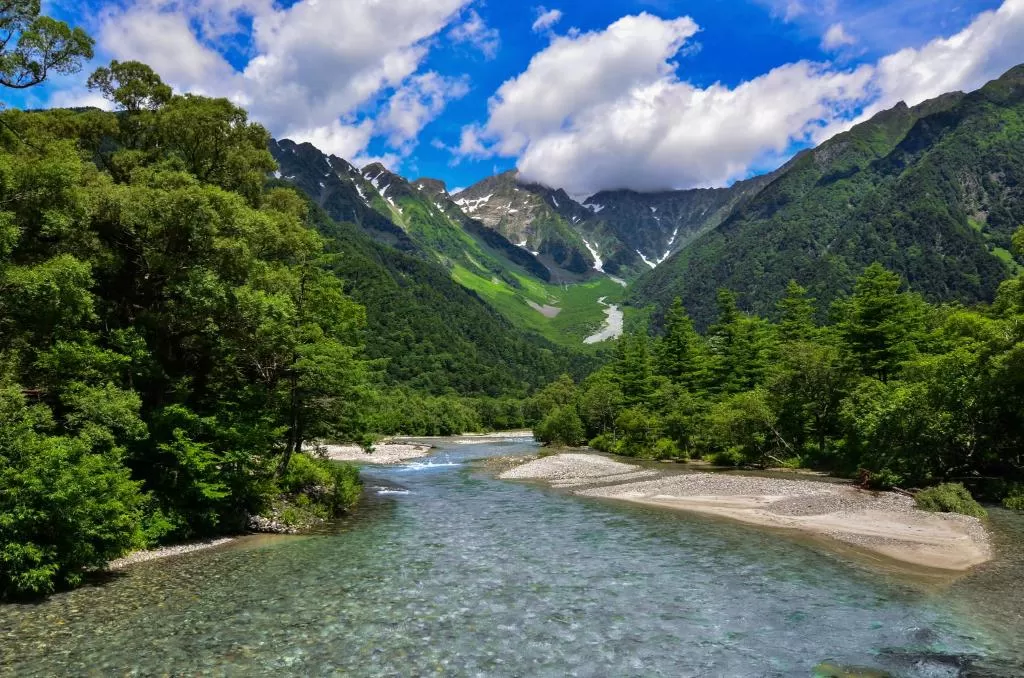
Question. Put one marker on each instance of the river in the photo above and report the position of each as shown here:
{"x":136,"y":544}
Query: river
{"x":446,"y":570}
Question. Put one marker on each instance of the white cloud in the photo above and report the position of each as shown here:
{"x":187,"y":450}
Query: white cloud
{"x":546,"y":19}
{"x":988,"y":47}
{"x":608,"y":109}
{"x":313,"y":70}
{"x":421,"y":99}
{"x":577,"y":73}
{"x":78,"y":98}
{"x":836,"y":37}
{"x":477,"y":33}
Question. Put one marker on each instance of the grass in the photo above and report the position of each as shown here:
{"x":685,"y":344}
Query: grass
{"x":1007,"y":258}
{"x":581,"y":314}
{"x":474,"y":265}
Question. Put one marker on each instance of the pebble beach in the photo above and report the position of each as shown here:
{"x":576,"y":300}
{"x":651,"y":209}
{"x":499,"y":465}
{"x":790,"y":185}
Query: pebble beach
{"x":882,"y":523}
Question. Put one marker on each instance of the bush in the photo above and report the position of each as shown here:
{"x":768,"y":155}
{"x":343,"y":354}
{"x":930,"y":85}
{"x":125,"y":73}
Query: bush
{"x":949,"y":498}
{"x":639,"y":432}
{"x":1015,"y":499}
{"x":335,"y":486}
{"x":730,"y":457}
{"x":667,"y":449}
{"x":65,"y":506}
{"x":604,"y":443}
{"x":561,"y":427}
{"x":880,"y":480}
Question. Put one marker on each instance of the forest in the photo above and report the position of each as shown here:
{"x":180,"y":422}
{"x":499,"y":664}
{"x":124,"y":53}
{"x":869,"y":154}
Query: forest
{"x":892,"y":391}
{"x":177,"y":327}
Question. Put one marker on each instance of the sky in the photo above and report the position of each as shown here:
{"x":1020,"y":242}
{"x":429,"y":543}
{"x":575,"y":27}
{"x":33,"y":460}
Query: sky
{"x":576,"y":94}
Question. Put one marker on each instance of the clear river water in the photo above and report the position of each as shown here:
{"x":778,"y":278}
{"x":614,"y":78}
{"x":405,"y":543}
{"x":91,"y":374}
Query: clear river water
{"x":445,"y":570}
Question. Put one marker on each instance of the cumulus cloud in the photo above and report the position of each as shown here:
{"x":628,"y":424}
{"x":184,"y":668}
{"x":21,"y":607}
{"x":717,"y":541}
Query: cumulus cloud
{"x":416,"y":103}
{"x":837,"y":37}
{"x":984,"y":50}
{"x":608,"y":109}
{"x":475,"y":31}
{"x":546,"y":19}
{"x":311,"y":69}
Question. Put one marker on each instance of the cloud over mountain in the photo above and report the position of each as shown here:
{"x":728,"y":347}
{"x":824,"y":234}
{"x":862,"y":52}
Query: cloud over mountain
{"x":612,"y":108}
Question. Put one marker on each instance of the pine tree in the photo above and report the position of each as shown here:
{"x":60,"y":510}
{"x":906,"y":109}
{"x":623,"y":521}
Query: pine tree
{"x":681,"y":354}
{"x":796,"y":312}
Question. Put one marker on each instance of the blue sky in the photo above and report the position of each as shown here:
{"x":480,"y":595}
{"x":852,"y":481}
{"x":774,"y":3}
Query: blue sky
{"x":642,"y":94}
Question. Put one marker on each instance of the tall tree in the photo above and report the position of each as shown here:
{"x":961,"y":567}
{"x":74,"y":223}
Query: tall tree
{"x":880,"y":322}
{"x":681,"y":354}
{"x":796,"y":314}
{"x":33,"y":46}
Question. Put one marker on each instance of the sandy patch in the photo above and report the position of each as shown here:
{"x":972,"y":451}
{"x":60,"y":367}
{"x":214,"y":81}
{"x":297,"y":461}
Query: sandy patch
{"x":546,"y":311}
{"x":884,"y":523}
{"x":384,"y":453}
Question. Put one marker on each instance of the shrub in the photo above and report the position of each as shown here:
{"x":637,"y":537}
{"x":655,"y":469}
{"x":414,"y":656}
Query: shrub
{"x":335,"y":486}
{"x":604,"y":443}
{"x":65,"y":506}
{"x":1015,"y":499}
{"x":667,"y":449}
{"x":949,"y":498}
{"x":885,"y":479}
{"x":561,"y":427}
{"x":730,"y":457}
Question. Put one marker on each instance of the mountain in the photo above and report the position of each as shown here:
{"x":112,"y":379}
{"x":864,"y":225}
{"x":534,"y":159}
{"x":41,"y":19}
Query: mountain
{"x":534,"y":217}
{"x":435,"y":335}
{"x":622,"y":233}
{"x":653,"y":226}
{"x":419,"y":219}
{"x":338,"y":188}
{"x":933,"y":192}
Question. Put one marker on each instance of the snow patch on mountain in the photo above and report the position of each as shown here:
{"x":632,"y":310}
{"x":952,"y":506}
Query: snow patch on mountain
{"x":646,"y":260}
{"x":598,"y":263}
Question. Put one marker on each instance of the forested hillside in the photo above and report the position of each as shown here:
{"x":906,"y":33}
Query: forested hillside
{"x":434,"y":335}
{"x":932,"y":192}
{"x":170,"y":333}
{"x":893,"y":392}
{"x":460,"y":343}
{"x":176,"y":327}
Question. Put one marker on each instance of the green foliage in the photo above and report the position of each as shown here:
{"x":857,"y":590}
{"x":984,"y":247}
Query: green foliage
{"x":667,"y":449}
{"x":334,"y":486}
{"x":901,"y":189}
{"x":171,"y":331}
{"x":562,"y":426}
{"x":949,"y":498}
{"x":1015,"y":499}
{"x":131,"y":85}
{"x":884,"y":479}
{"x":604,"y":443}
{"x":68,"y":502}
{"x":895,"y":392}
{"x":36,"y":46}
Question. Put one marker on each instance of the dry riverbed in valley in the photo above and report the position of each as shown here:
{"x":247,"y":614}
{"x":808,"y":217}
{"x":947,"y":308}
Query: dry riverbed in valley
{"x":883,"y":523}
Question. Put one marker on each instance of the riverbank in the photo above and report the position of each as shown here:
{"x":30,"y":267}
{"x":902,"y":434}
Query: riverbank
{"x":383,"y":453}
{"x":882,"y":523}
{"x":165,"y":552}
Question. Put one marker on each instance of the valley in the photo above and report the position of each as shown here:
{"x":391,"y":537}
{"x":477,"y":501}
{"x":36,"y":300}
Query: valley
{"x":712,"y":370}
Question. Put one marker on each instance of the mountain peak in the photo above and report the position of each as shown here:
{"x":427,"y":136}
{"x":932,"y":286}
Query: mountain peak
{"x":431,"y":186}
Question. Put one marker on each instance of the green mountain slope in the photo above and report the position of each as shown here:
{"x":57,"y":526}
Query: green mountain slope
{"x":422,"y":220}
{"x":932,"y":192}
{"x":435,"y":335}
